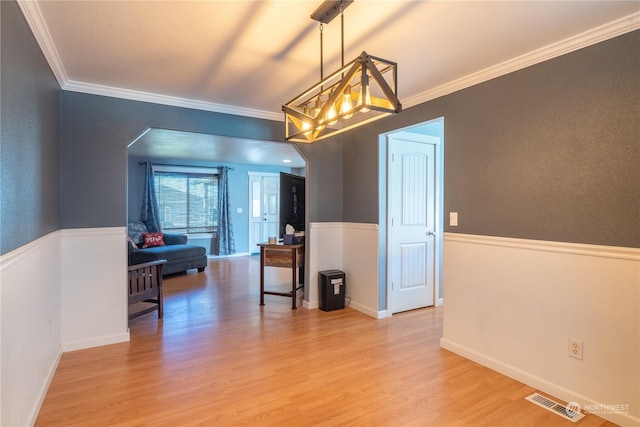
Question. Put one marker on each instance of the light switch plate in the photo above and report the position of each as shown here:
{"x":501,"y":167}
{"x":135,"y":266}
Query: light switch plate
{"x":453,"y":219}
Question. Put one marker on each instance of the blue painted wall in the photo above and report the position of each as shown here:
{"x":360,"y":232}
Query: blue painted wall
{"x":30,"y":136}
{"x":550,"y":152}
{"x":97,"y":129}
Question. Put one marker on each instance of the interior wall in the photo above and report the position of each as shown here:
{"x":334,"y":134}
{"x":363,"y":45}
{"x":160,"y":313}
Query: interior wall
{"x":513,"y":305}
{"x":97,"y":129}
{"x":351,"y":248}
{"x":549,"y":152}
{"x":29,"y":166}
{"x":546,"y":154}
{"x":324,"y":173}
{"x":324,"y":251}
{"x":31,"y":327}
{"x":30,"y":282}
{"x":94,"y":301}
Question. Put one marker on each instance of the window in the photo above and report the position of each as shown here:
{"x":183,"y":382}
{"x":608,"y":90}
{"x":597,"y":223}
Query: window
{"x":187,"y":202}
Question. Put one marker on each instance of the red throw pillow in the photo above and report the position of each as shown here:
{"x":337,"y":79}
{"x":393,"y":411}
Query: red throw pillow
{"x":153,"y":239}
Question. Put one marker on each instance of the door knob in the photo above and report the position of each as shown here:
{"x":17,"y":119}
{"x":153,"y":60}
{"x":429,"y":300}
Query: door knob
{"x":431,"y":233}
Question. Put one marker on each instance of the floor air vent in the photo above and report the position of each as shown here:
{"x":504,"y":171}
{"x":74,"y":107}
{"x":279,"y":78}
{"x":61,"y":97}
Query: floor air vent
{"x":569,"y":411}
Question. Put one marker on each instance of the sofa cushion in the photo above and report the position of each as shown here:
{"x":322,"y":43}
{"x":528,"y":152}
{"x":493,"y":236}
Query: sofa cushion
{"x":168,"y":252}
{"x":153,"y":239}
{"x":175,"y":239}
{"x":135,"y":230}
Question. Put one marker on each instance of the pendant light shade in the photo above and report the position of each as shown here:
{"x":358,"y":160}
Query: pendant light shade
{"x":362,"y":91}
{"x":359,"y":92}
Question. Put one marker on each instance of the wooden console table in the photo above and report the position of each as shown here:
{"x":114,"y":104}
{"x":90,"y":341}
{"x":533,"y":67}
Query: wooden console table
{"x":287,"y":256}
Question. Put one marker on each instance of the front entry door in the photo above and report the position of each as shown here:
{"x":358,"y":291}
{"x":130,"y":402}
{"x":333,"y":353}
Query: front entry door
{"x":264,"y":207}
{"x":411,"y":220}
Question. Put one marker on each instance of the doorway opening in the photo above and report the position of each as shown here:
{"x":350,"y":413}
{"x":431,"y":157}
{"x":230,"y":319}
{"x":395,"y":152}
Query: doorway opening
{"x":198,"y":150}
{"x":411,"y":216}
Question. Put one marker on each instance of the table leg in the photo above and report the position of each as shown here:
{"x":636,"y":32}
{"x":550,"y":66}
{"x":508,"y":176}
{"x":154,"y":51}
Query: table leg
{"x":294,"y":282}
{"x":261,"y":275}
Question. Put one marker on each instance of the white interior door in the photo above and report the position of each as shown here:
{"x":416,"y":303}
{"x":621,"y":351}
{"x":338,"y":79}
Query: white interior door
{"x":411,"y":260}
{"x":264,"y":207}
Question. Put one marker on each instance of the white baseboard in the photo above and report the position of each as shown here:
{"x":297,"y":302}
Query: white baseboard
{"x":383,"y":314}
{"x":364,"y":309}
{"x":310,"y":305}
{"x":358,"y":307}
{"x":96,"y":342}
{"x":45,"y":387}
{"x":536,"y":382}
{"x":230,"y":255}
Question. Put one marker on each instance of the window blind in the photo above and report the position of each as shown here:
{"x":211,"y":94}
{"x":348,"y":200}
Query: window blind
{"x":187,"y":202}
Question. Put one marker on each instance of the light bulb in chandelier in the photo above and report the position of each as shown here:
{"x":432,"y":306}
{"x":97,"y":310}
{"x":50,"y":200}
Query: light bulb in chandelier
{"x":332,"y":116}
{"x":346,"y":107}
{"x":364,"y":100}
{"x":316,"y":113}
{"x":306,"y":126}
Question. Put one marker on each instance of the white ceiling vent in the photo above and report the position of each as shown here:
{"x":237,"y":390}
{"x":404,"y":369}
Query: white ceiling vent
{"x":570,"y":411}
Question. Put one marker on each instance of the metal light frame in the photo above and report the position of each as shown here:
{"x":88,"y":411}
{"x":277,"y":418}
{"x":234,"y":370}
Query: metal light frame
{"x":306,"y":116}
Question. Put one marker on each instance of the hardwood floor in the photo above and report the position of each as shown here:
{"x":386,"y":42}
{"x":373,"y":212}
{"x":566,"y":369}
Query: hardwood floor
{"x":218,"y":358}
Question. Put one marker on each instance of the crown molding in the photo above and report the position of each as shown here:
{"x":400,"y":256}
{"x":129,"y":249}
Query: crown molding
{"x":595,"y":35}
{"x":33,"y":16}
{"x":134,"y":95}
{"x":36,"y":22}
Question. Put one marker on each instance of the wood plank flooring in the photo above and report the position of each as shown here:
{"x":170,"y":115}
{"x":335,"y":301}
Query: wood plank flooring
{"x":219,"y":359}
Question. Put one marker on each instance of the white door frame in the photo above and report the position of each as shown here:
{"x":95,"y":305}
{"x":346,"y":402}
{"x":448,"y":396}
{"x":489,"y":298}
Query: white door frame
{"x":439,"y":217}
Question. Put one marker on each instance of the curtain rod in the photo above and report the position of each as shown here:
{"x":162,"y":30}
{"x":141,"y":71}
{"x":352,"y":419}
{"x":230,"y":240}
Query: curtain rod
{"x":185,"y":166}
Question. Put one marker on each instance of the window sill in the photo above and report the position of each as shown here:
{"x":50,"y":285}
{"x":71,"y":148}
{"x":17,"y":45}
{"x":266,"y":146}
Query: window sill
{"x":202,"y":236}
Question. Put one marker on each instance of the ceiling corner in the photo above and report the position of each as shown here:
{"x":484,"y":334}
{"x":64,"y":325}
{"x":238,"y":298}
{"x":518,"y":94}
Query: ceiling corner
{"x":33,"y":16}
{"x":595,"y":35}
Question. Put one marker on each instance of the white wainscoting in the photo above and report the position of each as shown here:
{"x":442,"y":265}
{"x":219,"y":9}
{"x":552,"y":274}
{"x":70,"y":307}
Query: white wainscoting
{"x":360,"y":254}
{"x":94,"y":296}
{"x":352,"y":248}
{"x":64,"y":291}
{"x":513,"y":304}
{"x":323,"y":252}
{"x":30,"y":337}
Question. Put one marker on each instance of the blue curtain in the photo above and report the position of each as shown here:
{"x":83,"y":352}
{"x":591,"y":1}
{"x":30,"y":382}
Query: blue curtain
{"x":149,"y":214}
{"x":226,"y":245}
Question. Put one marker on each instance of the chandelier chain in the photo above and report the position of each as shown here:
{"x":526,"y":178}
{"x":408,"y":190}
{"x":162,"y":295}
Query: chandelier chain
{"x":321,"y":54}
{"x":342,"y":31}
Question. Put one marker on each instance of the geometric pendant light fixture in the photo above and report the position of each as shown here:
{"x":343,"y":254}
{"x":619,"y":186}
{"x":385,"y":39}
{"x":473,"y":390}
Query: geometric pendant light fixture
{"x":359,"y":92}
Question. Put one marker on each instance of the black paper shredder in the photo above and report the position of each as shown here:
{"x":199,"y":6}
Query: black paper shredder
{"x":333,"y":289}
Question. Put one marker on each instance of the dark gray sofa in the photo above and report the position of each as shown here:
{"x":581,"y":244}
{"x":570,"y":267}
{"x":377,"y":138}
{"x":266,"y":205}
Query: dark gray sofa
{"x":180,"y":255}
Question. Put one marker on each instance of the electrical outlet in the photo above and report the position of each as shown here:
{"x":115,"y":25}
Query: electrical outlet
{"x":575,"y":348}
